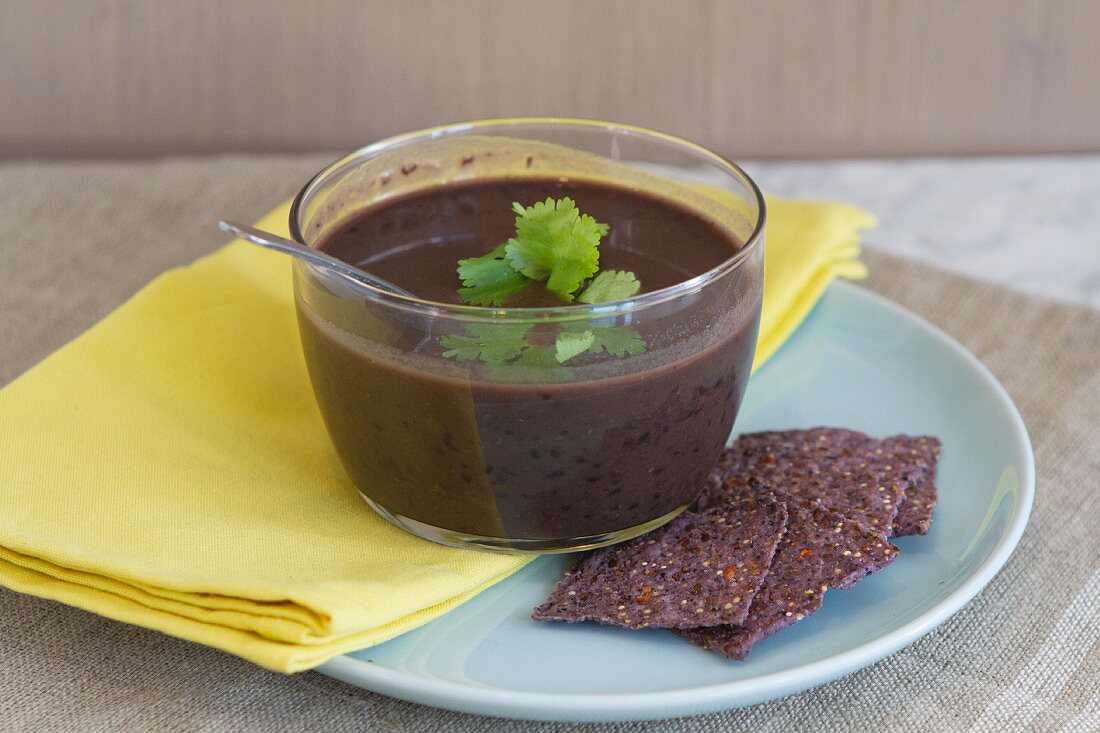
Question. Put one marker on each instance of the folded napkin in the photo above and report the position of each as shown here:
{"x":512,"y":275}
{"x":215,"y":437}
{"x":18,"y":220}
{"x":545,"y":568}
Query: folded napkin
{"x":169,"y":467}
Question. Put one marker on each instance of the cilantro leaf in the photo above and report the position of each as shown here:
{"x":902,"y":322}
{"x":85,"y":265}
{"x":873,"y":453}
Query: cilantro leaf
{"x":492,"y":343}
{"x":569,"y":344}
{"x":489,"y":279}
{"x":610,"y":285}
{"x":617,"y":340}
{"x":555,"y":242}
{"x":538,"y":356}
{"x":535,"y":364}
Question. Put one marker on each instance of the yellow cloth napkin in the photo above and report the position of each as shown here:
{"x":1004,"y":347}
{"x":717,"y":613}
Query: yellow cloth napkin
{"x":169,"y":467}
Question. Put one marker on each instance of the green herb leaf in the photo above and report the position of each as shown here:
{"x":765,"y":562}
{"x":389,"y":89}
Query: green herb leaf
{"x":492,"y":343}
{"x":555,"y":242}
{"x":617,"y":340}
{"x":610,"y":285}
{"x":535,"y":364}
{"x":489,"y":279}
{"x":569,"y":344}
{"x":542,"y":357}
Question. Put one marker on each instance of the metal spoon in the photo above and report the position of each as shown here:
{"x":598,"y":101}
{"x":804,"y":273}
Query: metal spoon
{"x":312,"y":256}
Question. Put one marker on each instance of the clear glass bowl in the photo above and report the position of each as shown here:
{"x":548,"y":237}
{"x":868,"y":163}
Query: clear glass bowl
{"x":534,"y":456}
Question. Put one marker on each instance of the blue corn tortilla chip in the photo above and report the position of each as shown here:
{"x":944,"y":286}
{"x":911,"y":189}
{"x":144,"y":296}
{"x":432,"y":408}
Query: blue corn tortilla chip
{"x":701,"y":569}
{"x":916,"y":456}
{"x":820,"y":549}
{"x":842,"y":495}
{"x":840,"y":468}
{"x":781,"y":600}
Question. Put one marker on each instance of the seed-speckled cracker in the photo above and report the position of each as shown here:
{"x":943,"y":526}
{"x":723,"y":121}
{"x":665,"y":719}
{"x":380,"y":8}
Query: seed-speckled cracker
{"x":821,"y":549}
{"x":917,"y":456}
{"x":840,"y":468}
{"x":701,"y":569}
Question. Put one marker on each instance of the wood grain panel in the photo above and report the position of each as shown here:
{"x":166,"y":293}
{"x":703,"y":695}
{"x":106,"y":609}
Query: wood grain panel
{"x":755,"y":78}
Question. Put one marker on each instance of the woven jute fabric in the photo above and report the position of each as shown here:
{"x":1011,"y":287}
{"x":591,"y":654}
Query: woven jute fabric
{"x":76,"y":239}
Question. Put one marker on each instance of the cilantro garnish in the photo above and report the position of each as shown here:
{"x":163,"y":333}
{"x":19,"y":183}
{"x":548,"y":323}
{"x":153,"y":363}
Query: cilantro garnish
{"x":559,"y":246}
{"x":556,"y":243}
{"x":610,"y":285}
{"x":492,"y":343}
{"x":509,"y":344}
{"x":542,"y":357}
{"x":617,"y":341}
{"x":567,"y":345}
{"x":489,"y":279}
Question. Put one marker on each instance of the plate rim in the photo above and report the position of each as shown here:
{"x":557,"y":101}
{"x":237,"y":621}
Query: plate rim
{"x":602,"y":707}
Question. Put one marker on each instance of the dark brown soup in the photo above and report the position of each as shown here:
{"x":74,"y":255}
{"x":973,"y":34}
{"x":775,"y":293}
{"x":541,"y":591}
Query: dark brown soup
{"x":602,"y":446}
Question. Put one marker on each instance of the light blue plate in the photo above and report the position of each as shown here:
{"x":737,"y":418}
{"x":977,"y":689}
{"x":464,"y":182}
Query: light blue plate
{"x":860,"y":362}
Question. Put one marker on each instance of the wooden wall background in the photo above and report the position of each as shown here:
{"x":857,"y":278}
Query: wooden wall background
{"x":753,"y":78}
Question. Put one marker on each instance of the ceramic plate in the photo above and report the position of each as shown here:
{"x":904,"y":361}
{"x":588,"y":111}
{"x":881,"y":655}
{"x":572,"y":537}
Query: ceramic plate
{"x":858,"y":361}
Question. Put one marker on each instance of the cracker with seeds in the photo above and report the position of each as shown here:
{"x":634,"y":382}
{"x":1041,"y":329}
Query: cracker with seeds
{"x":917,"y":456}
{"x":845,"y":470}
{"x":701,"y":569}
{"x":821,"y":549}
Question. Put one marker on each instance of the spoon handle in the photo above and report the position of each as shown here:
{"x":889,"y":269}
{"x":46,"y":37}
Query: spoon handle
{"x":314,"y":257}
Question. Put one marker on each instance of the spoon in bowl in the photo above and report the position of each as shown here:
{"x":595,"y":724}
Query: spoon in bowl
{"x":314,"y":257}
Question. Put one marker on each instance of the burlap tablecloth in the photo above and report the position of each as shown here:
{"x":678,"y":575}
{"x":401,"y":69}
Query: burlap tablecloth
{"x":76,"y":239}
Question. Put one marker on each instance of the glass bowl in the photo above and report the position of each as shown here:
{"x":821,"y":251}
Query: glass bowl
{"x":528,"y":454}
